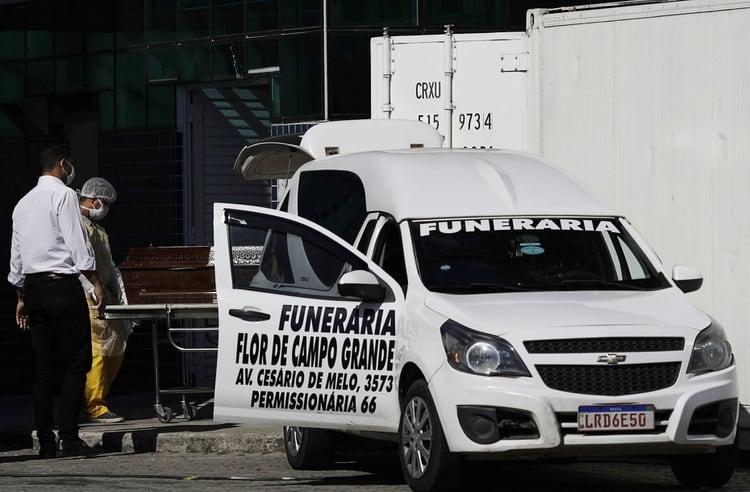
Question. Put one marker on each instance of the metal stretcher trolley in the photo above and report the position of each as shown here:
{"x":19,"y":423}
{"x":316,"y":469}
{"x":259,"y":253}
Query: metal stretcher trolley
{"x":171,"y":284}
{"x":170,"y":313}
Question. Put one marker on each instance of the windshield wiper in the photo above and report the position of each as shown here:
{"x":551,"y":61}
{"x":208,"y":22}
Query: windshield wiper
{"x":482,"y":287}
{"x":595,"y":282}
{"x":572,"y":284}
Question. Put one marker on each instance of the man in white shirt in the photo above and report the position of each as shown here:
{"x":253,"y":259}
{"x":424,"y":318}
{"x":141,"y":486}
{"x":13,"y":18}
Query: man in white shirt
{"x":48,"y":251}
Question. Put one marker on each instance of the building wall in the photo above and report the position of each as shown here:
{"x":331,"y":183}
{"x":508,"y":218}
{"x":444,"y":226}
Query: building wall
{"x":110,"y":78}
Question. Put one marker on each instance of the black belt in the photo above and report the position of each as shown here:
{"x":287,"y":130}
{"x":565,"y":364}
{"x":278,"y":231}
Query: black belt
{"x":52,"y":275}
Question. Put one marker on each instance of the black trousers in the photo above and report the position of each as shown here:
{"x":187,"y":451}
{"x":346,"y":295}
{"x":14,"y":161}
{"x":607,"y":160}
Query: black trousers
{"x":61,"y":341}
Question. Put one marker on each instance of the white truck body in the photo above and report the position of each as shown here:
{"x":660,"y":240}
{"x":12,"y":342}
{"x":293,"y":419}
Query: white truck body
{"x":645,"y":103}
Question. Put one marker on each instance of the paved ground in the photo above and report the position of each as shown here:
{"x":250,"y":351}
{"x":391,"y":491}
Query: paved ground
{"x":142,"y":430}
{"x":219,"y":451}
{"x":225,"y":472}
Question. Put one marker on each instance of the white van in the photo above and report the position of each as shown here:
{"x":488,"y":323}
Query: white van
{"x":463,"y":304}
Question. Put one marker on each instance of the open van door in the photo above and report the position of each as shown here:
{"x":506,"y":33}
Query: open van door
{"x":280,"y":156}
{"x":308,"y":326}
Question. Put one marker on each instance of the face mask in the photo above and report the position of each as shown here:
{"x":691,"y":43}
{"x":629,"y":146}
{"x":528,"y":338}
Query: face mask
{"x":97,"y":214}
{"x":69,"y":175}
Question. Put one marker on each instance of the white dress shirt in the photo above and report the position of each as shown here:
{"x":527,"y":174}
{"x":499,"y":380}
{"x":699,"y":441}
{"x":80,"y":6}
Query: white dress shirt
{"x":48,"y":234}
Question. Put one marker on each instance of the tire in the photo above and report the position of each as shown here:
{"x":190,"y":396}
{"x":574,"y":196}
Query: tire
{"x":426,"y":462}
{"x":706,"y":470}
{"x":307,"y":449}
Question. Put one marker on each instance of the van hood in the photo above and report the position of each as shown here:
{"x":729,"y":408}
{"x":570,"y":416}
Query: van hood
{"x":501,"y":313}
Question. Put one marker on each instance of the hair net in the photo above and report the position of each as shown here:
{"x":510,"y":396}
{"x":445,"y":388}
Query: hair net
{"x":99,"y":188}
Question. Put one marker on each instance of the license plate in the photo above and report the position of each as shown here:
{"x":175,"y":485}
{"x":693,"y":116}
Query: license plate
{"x":615,"y":418}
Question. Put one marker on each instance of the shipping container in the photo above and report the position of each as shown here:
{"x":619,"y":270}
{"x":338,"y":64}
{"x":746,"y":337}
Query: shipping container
{"x":646,"y":103}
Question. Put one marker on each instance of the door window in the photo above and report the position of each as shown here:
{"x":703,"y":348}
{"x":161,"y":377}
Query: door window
{"x":389,"y":253}
{"x":285,"y":257}
{"x":333,"y":199}
{"x":366,"y":236}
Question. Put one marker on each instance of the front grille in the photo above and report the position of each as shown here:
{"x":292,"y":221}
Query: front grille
{"x":610,"y":380}
{"x":604,"y":345}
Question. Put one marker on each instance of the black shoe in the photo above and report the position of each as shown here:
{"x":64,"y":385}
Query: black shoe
{"x":107,"y":418}
{"x":47,"y":451}
{"x":76,"y":448}
{"x":47,"y":448}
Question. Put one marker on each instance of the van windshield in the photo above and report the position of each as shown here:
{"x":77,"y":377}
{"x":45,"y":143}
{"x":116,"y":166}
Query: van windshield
{"x":505,"y":254}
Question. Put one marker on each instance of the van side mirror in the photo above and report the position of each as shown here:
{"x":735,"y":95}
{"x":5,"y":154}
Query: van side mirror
{"x":361,"y":284}
{"x":687,"y":278}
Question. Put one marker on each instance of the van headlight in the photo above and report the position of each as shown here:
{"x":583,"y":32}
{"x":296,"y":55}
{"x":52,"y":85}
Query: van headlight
{"x":479,"y":353}
{"x":711,"y":351}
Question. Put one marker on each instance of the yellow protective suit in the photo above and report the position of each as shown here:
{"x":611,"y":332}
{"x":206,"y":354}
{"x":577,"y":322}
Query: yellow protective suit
{"x":108,"y":337}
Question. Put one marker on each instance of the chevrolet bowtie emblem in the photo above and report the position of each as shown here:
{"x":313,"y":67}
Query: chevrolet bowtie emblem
{"x":611,"y":359}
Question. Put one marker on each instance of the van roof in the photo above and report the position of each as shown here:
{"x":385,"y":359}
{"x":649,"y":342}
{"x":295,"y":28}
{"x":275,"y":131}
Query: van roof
{"x":431,"y":183}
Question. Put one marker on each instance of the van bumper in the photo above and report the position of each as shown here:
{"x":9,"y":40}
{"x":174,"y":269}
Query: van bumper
{"x":545,"y":420}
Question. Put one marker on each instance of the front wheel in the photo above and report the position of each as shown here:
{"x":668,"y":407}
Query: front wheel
{"x":426,"y":462}
{"x":706,"y":470}
{"x":306,"y":448}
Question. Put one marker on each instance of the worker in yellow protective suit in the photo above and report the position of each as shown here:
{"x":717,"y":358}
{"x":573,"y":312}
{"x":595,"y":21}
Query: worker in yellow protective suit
{"x":108,"y":337}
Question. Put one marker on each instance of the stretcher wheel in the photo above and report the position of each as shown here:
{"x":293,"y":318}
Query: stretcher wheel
{"x":189,"y":410}
{"x":166,"y":415}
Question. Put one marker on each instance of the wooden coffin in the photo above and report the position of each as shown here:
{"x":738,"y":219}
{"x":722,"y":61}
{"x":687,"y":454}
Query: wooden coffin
{"x":169,"y":274}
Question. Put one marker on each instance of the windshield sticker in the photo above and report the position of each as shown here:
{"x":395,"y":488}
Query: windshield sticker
{"x":320,"y":358}
{"x":529,"y":245}
{"x":508,"y":224}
